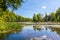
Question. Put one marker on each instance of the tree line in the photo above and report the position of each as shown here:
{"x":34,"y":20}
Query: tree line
{"x":9,"y":16}
{"x":52,"y":17}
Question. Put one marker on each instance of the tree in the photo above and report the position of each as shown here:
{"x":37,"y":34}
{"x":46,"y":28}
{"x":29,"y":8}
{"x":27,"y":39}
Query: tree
{"x":39,"y":17}
{"x":58,"y":14}
{"x":35,"y":19}
{"x":53,"y":17}
{"x":46,"y":18}
{"x":14,"y":4}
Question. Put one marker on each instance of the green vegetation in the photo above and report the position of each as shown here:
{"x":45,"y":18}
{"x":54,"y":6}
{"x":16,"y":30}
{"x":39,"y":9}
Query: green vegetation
{"x":14,"y":4}
{"x":7,"y":16}
{"x":9,"y":26}
{"x":53,"y":17}
{"x":37,"y":18}
{"x":8,"y":19}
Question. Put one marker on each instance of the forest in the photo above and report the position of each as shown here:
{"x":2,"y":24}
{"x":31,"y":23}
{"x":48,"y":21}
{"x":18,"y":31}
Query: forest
{"x":9,"y":16}
{"x":52,"y":17}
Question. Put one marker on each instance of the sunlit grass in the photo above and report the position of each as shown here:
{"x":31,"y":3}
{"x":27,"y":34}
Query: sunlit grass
{"x":9,"y":26}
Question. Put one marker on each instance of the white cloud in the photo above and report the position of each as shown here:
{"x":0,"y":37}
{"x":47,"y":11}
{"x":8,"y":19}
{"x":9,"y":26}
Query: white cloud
{"x":43,"y":7}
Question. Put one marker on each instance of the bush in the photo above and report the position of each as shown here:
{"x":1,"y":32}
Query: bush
{"x":2,"y":25}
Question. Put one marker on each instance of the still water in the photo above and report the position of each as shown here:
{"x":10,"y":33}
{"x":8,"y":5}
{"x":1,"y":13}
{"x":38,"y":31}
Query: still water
{"x":29,"y":31}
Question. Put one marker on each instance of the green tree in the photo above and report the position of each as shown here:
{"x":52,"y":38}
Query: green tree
{"x":53,"y":17}
{"x":39,"y":17}
{"x":58,"y":15}
{"x":35,"y":19}
{"x":19,"y":19}
{"x":46,"y":18}
{"x":14,"y":4}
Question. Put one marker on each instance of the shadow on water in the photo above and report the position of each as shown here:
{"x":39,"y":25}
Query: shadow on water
{"x":29,"y":31}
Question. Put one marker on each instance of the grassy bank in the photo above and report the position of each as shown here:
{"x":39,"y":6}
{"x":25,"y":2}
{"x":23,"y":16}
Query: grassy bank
{"x":12,"y":26}
{"x":9,"y":26}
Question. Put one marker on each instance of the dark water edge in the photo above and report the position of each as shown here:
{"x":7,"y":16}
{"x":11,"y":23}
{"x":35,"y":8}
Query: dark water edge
{"x":28,"y":32}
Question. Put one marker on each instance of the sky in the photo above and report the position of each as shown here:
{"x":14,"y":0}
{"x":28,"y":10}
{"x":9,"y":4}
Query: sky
{"x":29,"y":7}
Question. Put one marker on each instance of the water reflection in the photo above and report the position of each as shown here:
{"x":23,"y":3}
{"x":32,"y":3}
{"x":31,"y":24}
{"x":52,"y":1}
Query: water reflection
{"x":37,"y":27}
{"x":29,"y":31}
{"x":2,"y":37}
{"x":55,"y":29}
{"x":5,"y":35}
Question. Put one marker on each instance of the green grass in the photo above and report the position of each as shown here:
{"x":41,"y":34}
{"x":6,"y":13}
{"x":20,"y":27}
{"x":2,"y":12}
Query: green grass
{"x":9,"y":26}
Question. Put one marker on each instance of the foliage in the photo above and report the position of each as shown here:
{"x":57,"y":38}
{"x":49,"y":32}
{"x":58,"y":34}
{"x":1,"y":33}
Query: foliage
{"x":14,"y":4}
{"x":53,"y":17}
{"x":8,"y":16}
{"x":11,"y":25}
{"x":6,"y":26}
{"x":58,"y":15}
{"x":46,"y":18}
{"x":2,"y":25}
{"x":37,"y":18}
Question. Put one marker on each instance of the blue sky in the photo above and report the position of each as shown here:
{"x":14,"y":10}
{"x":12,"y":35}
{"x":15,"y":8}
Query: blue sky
{"x":29,"y":7}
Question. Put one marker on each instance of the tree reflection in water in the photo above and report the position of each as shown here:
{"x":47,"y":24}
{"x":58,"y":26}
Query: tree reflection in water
{"x":44,"y":30}
{"x":5,"y":35}
{"x":37,"y":27}
{"x":40,"y":27}
{"x":55,"y":29}
{"x":2,"y":37}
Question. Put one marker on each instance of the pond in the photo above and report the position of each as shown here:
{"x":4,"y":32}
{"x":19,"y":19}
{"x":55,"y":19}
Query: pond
{"x":33,"y":31}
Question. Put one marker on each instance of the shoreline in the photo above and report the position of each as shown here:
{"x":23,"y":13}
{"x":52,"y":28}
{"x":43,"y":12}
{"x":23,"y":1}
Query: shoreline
{"x":33,"y":23}
{"x":39,"y":23}
{"x":13,"y":30}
